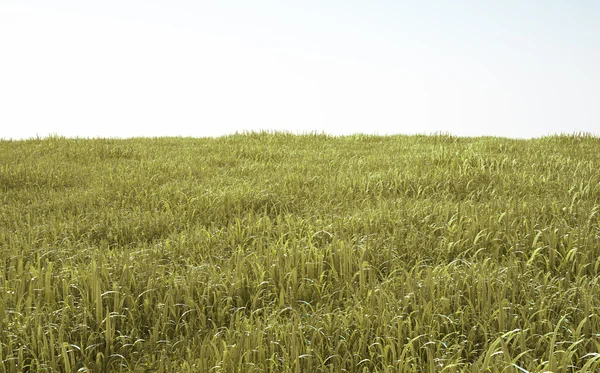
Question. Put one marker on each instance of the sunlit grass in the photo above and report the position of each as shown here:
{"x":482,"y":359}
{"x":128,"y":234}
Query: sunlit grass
{"x":271,"y":252}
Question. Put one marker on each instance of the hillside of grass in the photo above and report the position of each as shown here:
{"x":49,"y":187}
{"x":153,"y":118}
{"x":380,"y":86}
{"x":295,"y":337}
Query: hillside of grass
{"x":273,"y":252}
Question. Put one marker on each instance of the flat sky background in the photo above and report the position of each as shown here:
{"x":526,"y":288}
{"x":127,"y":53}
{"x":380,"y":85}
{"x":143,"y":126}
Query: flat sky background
{"x":124,"y":68}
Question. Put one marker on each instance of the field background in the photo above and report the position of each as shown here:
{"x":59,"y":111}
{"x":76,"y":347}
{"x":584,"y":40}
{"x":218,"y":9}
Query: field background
{"x":273,"y":252}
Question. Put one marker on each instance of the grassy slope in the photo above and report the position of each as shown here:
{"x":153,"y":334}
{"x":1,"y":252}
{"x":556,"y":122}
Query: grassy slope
{"x":276,"y":253}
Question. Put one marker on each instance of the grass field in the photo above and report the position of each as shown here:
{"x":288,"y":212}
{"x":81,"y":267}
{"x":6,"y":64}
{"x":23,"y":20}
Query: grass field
{"x":272,"y":252}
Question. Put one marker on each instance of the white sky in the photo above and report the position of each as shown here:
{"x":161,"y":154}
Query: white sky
{"x":207,"y":68}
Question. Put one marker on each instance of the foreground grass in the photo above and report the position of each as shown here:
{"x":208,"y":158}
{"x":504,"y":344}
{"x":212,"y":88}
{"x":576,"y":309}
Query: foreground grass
{"x":282,"y":253}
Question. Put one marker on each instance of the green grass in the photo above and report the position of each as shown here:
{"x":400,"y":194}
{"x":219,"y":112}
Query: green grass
{"x":272,"y":252}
